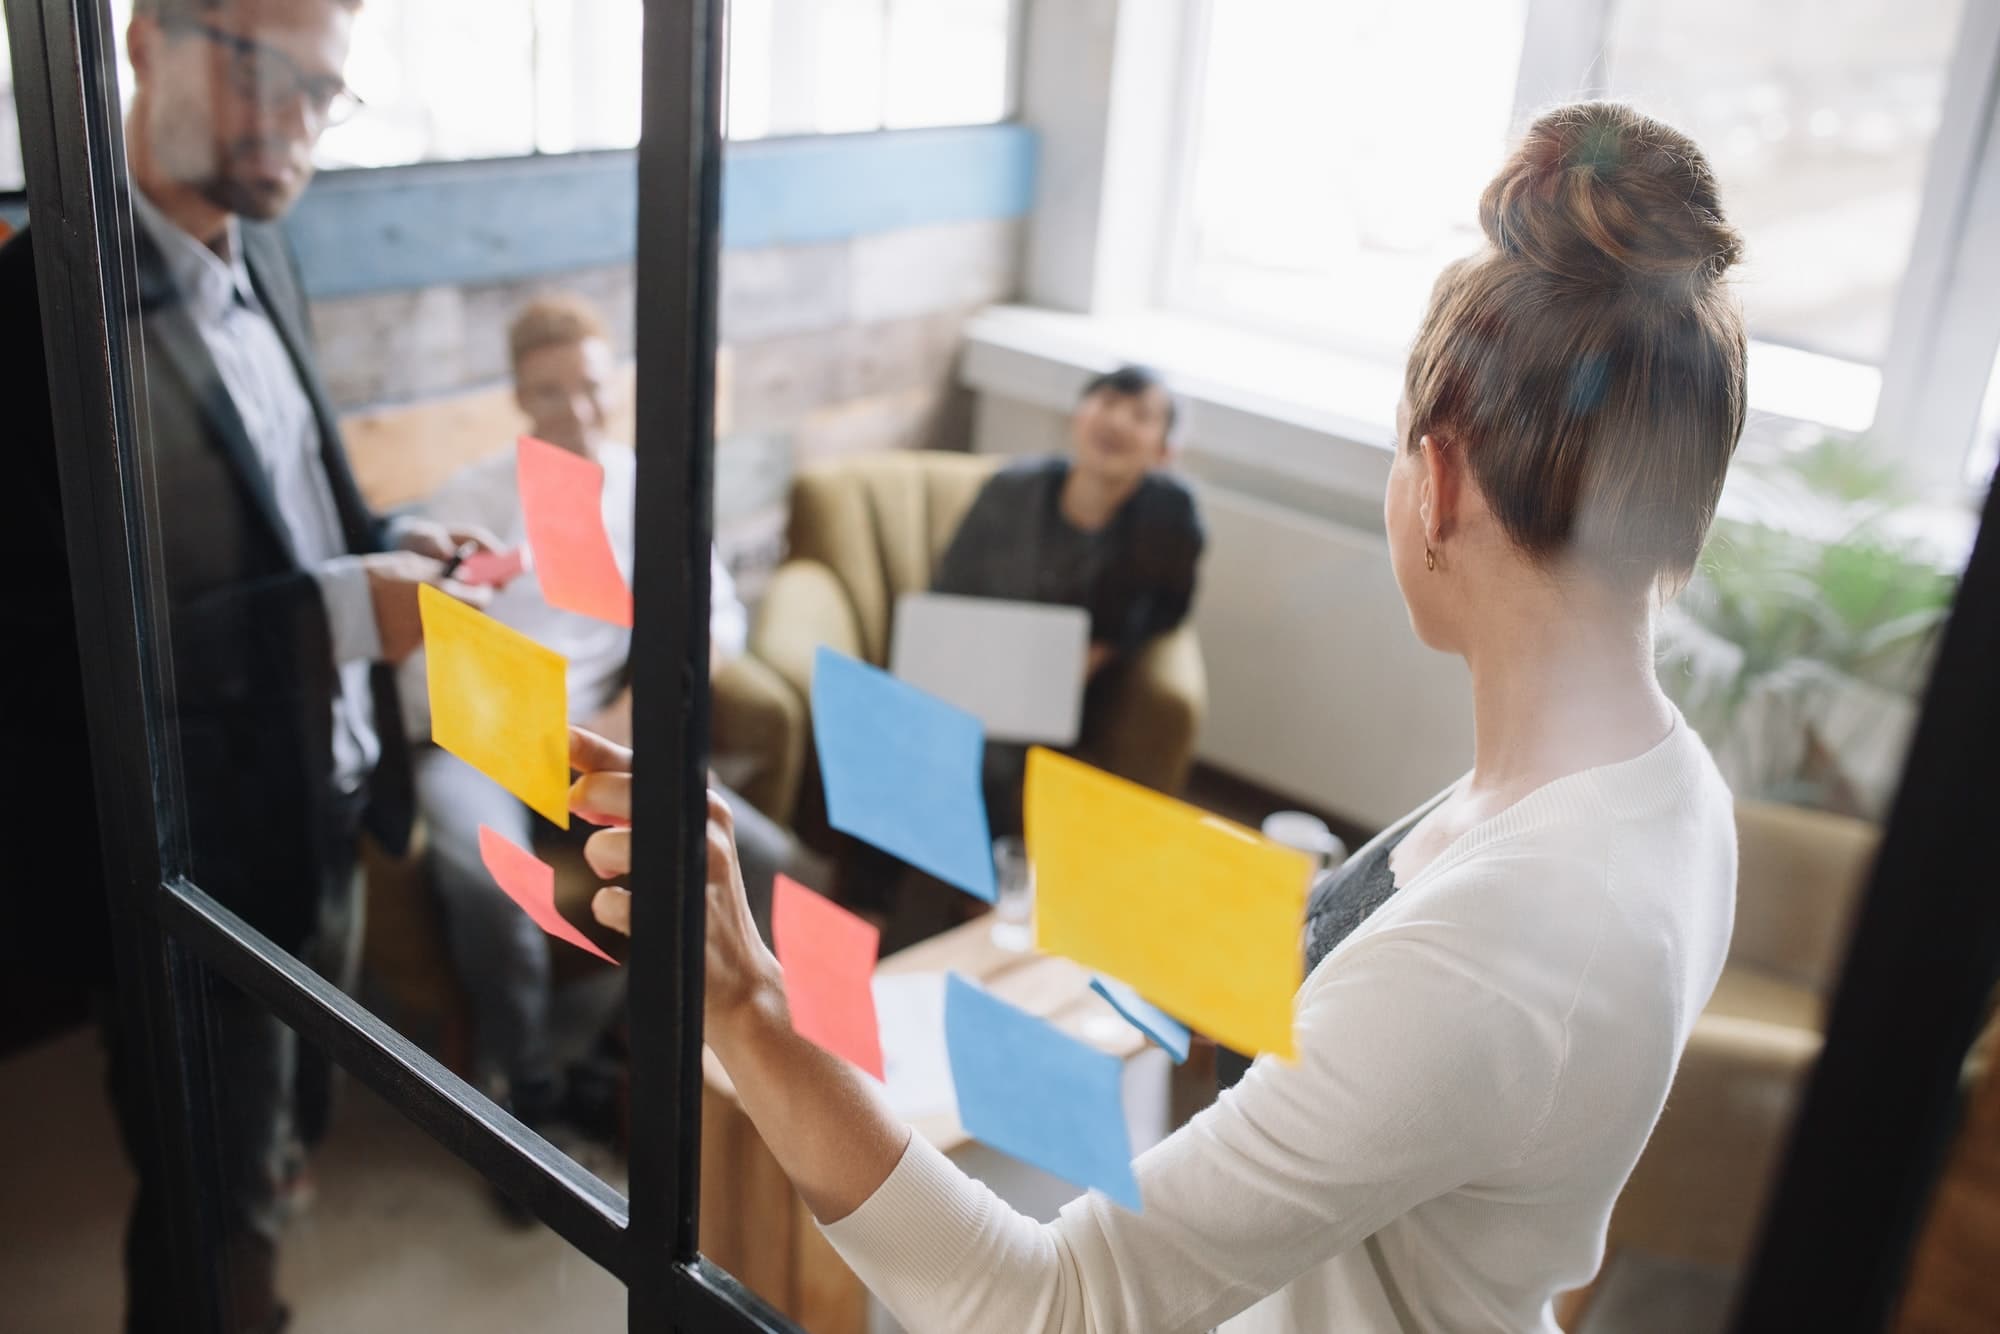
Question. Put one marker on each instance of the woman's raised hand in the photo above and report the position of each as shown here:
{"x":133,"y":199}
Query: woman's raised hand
{"x":740,"y":970}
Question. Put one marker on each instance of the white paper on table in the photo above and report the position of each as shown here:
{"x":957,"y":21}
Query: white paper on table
{"x":909,"y":1010}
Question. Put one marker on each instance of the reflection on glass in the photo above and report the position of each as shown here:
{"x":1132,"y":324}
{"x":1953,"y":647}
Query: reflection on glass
{"x":1820,"y":132}
{"x":301,"y":508}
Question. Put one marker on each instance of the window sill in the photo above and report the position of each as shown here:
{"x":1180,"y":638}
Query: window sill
{"x":1259,"y":409}
{"x":1313,"y":428}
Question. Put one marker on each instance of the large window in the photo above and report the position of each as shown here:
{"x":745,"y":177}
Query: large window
{"x":1819,"y":119}
{"x":1335,"y":152}
{"x":543,"y":76}
{"x":555,"y":76}
{"x":1292,"y":222}
{"x":834,"y":66}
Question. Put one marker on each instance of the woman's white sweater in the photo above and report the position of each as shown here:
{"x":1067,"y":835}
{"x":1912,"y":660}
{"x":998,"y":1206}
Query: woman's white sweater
{"x":1481,"y":1062}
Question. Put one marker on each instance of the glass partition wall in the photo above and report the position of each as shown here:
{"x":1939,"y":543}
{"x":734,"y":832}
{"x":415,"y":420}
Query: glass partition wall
{"x":224,"y":548}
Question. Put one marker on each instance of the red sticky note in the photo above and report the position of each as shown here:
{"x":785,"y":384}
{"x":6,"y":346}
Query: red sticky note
{"x":531,"y":883}
{"x":492,"y":569}
{"x":562,"y":500}
{"x":828,"y":955}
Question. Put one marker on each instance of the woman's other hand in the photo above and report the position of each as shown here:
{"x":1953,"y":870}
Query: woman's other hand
{"x":741,"y":972}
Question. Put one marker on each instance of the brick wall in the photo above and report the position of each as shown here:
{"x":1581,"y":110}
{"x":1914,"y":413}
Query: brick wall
{"x":829,"y":348}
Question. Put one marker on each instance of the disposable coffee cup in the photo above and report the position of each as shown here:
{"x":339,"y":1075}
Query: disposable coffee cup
{"x":1308,"y":833}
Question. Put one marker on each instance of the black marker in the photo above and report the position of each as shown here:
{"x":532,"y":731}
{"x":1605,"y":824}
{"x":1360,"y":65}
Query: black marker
{"x":458,"y":558}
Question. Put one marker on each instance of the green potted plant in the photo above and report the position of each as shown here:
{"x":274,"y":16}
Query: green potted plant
{"x":1801,"y":644}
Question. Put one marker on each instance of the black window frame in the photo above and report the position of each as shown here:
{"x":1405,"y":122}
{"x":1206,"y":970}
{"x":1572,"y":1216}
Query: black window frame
{"x":173,"y":942}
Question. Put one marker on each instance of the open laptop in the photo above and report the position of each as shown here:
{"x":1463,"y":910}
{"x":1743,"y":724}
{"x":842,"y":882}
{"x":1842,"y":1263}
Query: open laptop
{"x":1017,"y":666}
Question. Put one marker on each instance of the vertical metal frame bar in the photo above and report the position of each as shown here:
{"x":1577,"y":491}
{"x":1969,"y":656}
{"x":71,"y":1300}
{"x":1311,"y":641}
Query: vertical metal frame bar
{"x":680,"y":169}
{"x":1947,"y":322}
{"x":66,"y":93}
{"x":1883,"y":1099}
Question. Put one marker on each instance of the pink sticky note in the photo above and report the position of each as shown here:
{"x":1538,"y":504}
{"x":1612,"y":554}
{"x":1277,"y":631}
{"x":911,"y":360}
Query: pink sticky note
{"x":828,"y":955}
{"x":562,"y":498}
{"x":492,"y":569}
{"x":531,"y":883}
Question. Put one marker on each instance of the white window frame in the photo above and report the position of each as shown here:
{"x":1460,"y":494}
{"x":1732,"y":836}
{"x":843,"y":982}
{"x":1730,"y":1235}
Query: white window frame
{"x":1945,"y":326}
{"x":1945,"y":331}
{"x":795,"y":62}
{"x":543,"y":135}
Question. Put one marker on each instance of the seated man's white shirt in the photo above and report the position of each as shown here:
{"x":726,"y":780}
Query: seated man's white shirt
{"x":486,"y":494}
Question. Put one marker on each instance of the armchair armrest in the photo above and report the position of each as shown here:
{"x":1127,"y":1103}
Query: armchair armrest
{"x":1149,"y":713}
{"x":1699,"y":1188}
{"x":804,"y":606}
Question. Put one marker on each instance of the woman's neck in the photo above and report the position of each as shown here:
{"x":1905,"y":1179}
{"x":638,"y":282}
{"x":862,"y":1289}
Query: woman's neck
{"x":1561,"y":684}
{"x":1090,"y":501}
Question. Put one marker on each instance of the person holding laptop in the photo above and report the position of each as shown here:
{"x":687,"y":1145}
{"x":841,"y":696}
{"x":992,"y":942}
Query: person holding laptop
{"x":1106,"y":528}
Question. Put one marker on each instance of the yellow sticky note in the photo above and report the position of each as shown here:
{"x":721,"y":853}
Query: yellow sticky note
{"x":1200,"y":916}
{"x":499,"y":701}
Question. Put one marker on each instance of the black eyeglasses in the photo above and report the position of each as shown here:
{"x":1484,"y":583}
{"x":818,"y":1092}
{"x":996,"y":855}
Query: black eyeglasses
{"x":270,"y":78}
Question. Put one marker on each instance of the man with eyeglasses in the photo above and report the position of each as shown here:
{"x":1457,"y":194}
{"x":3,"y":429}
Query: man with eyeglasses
{"x":287,"y":600}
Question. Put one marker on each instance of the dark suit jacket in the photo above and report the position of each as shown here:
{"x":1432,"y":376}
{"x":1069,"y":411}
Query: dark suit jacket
{"x":252,"y":677}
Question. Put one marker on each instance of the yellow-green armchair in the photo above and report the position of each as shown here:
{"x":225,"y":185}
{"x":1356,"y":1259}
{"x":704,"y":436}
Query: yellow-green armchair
{"x":868,"y":529}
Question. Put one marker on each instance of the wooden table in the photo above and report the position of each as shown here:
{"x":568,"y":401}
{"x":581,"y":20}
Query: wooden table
{"x":754,"y":1225}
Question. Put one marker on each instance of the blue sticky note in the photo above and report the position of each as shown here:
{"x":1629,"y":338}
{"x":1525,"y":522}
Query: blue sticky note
{"x":902,"y":771}
{"x":1169,"y":1034}
{"x":1028,"y":1090}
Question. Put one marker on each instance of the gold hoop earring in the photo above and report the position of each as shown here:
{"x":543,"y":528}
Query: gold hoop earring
{"x":1430,"y":557}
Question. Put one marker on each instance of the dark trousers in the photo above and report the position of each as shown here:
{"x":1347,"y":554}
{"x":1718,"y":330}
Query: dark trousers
{"x":272,"y":1099}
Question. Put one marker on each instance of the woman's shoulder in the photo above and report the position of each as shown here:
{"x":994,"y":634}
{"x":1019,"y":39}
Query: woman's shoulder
{"x":1626,"y":869}
{"x":1662,"y":815}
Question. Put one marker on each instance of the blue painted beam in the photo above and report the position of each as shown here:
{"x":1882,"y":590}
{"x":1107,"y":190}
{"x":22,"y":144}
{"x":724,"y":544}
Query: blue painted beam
{"x":464,"y":222}
{"x":509,"y":219}
{"x":830,"y":187}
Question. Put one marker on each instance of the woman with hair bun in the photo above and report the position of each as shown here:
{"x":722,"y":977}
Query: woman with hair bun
{"x":1501,"y":984}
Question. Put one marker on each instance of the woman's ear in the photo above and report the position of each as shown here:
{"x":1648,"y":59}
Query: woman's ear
{"x":1442,"y":478}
